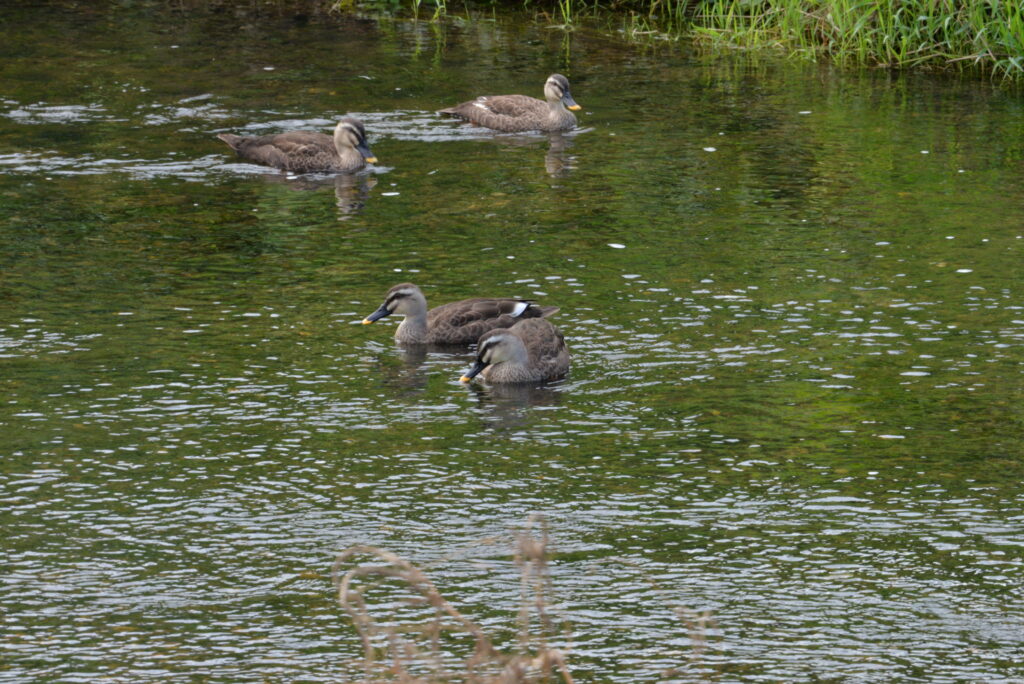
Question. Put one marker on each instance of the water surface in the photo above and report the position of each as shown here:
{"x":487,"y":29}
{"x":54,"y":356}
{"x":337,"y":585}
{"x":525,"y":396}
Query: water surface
{"x":793,"y":295}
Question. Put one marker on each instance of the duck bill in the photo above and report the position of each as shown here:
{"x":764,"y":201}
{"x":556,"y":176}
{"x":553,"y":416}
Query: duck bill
{"x":377,"y":315}
{"x":472,"y":372}
{"x":570,"y":103}
{"x":364,"y":150}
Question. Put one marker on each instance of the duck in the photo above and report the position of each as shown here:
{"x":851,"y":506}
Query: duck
{"x":308,"y":151}
{"x":532,"y":350}
{"x":519,"y":113}
{"x":457,"y":323}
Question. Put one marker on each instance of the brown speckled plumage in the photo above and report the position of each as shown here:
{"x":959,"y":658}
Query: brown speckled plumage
{"x":532,"y":350}
{"x":461,"y":322}
{"x":519,"y":113}
{"x":307,"y":151}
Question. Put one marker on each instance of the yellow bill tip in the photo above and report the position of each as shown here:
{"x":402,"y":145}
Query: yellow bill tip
{"x":575,"y":108}
{"x":367,"y":321}
{"x":465,"y":378}
{"x":371,"y":160}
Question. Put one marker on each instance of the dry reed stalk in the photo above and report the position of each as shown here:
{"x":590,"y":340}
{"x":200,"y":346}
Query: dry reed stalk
{"x":535,"y":661}
{"x":420,"y":651}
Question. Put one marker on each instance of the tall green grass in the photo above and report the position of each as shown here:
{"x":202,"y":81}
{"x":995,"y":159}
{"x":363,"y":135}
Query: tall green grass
{"x":896,"y":33}
{"x":983,"y":34}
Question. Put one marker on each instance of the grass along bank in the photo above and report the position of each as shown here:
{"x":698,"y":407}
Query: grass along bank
{"x":982,"y":35}
{"x":986,"y":34}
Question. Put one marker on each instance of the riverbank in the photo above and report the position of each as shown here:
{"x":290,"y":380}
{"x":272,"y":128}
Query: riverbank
{"x":986,"y":38}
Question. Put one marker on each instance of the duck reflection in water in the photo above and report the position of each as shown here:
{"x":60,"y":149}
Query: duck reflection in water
{"x":504,"y":406}
{"x":557,"y":160}
{"x":415,"y":364}
{"x":350,"y":190}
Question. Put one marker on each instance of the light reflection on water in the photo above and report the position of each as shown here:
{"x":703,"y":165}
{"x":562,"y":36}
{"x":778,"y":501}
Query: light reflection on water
{"x":399,"y":125}
{"x":794,"y":395}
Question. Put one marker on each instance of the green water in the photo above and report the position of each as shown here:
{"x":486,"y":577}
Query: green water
{"x":793,"y":296}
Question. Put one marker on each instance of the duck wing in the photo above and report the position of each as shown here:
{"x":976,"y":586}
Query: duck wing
{"x":465,"y":321}
{"x":545,"y":345}
{"x":294,"y":150}
{"x":509,"y":113}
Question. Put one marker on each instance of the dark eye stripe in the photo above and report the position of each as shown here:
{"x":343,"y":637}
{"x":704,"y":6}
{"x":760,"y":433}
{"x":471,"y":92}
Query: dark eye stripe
{"x":489,"y":345}
{"x":356,"y":131}
{"x":484,"y":348}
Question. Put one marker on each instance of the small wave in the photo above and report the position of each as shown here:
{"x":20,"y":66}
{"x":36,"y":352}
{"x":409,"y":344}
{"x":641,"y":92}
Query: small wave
{"x":191,"y":169}
{"x":42,"y":113}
